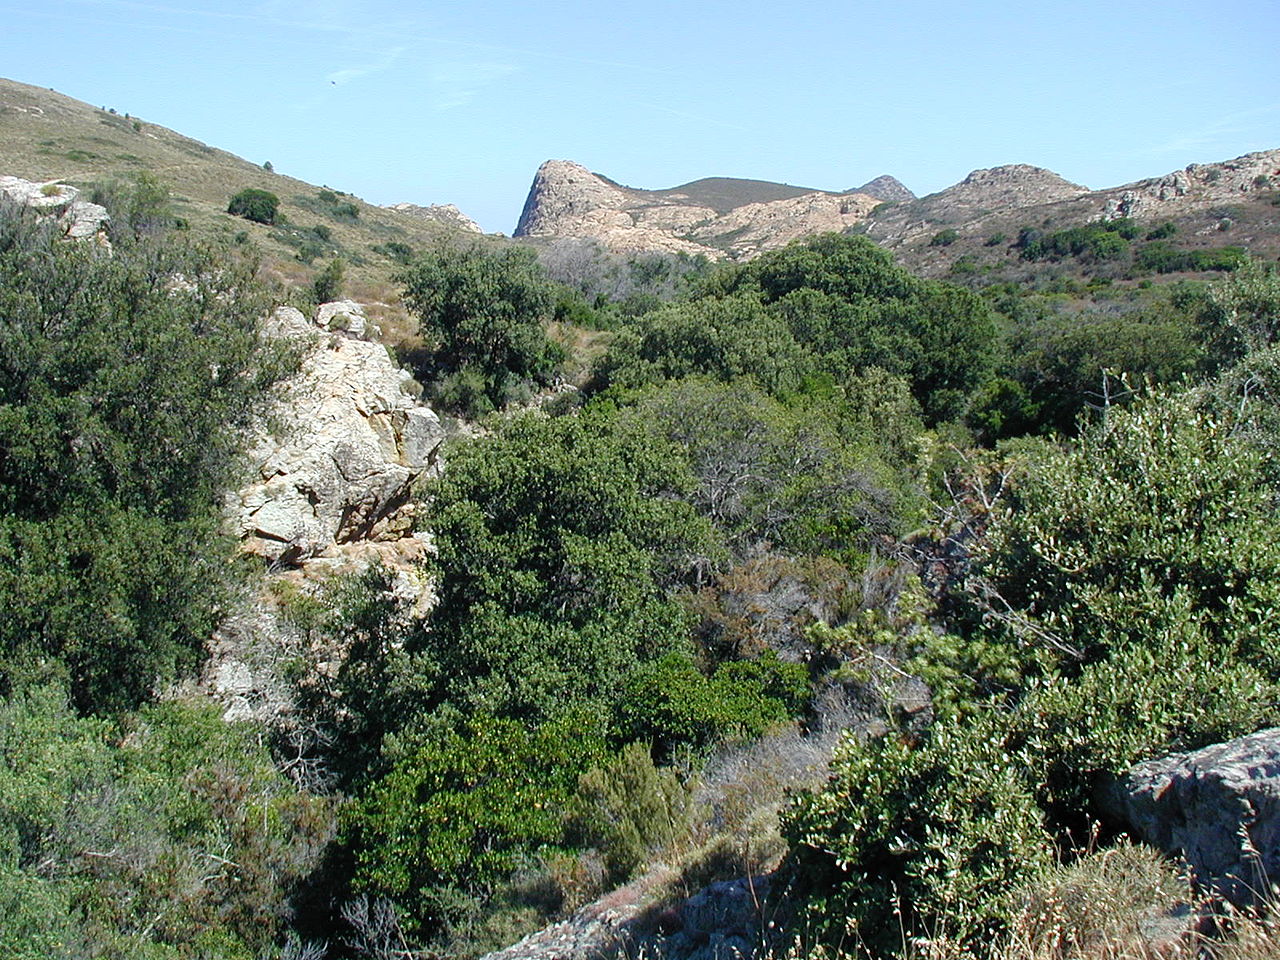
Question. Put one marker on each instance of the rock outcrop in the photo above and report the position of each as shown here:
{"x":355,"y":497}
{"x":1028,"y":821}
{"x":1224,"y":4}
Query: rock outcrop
{"x":445,"y":214}
{"x":348,"y":438}
{"x":886,"y":189}
{"x":1218,"y":808}
{"x":78,"y":219}
{"x":716,"y":218}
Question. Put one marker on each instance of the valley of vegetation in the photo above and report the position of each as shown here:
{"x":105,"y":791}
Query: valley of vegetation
{"x":707,"y":519}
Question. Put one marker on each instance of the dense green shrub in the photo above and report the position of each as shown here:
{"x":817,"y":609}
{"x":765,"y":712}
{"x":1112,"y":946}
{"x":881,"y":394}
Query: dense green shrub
{"x":817,"y":474}
{"x":483,"y":312}
{"x":260,"y":206}
{"x":328,"y":283}
{"x":121,"y":397}
{"x":1159,"y":256}
{"x":727,"y":339}
{"x":461,"y":808}
{"x":944,"y":238}
{"x":1103,"y":240}
{"x":823,"y":307}
{"x":166,"y":835}
{"x":629,"y":810}
{"x":670,"y":704}
{"x":1061,"y":367}
{"x":556,"y":542}
{"x":1125,"y":587}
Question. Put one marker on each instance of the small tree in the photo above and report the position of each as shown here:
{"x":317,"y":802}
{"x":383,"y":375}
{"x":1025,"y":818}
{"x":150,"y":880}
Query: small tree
{"x":482,"y":310}
{"x":328,"y":283}
{"x":260,"y":206}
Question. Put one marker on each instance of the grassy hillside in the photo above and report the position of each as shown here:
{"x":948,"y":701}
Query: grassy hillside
{"x":45,"y":136}
{"x":722,"y":194}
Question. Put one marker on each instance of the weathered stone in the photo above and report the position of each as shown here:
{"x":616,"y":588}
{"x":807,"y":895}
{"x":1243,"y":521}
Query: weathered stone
{"x":342,"y":316}
{"x":1218,"y":808}
{"x":78,"y":219}
{"x":445,"y":214}
{"x":348,"y":439}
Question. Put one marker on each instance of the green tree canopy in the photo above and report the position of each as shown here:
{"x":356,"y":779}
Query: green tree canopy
{"x":482,"y":312}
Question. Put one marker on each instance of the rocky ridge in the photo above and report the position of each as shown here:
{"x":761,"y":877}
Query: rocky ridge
{"x":335,"y":461}
{"x":445,"y":214}
{"x":885,"y":188}
{"x":568,"y":200}
{"x":1001,"y":200}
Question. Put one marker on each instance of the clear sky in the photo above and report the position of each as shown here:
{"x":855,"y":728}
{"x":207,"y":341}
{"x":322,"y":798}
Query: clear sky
{"x":459,"y":102}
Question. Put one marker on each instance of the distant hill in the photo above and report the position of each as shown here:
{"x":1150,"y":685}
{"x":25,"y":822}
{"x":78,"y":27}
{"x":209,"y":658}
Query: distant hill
{"x":972,"y":229}
{"x":47,"y":136}
{"x":716,"y":217}
{"x":969,"y":231}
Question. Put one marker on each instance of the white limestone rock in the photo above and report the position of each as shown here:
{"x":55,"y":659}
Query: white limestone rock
{"x":349,"y":439}
{"x":79,"y":219}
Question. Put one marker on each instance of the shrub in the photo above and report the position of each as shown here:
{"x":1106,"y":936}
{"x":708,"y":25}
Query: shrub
{"x":121,"y":405}
{"x":461,"y":809}
{"x":328,"y":283}
{"x":944,"y":238}
{"x":629,"y":810}
{"x":484,"y":310}
{"x":260,"y":206}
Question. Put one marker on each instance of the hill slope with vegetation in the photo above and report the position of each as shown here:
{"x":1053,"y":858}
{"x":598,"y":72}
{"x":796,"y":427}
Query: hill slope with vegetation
{"x":865,"y":579}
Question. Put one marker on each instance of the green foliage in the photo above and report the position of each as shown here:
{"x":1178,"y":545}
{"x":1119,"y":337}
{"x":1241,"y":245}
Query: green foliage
{"x":827,"y":306}
{"x":260,"y":206}
{"x":1062,"y":367}
{"x":1125,"y":591}
{"x":813,"y":475}
{"x":1241,"y":312}
{"x":629,"y":810}
{"x":462,"y":808}
{"x":1161,"y":499}
{"x":139,"y":208}
{"x":1092,"y":242}
{"x":671,"y":704}
{"x":483,"y":313}
{"x":121,"y":398}
{"x":328,"y":283}
{"x":906,"y":835}
{"x":727,"y":339}
{"x":1159,"y":256}
{"x":556,"y":541}
{"x":156,"y":838}
{"x":944,"y":238}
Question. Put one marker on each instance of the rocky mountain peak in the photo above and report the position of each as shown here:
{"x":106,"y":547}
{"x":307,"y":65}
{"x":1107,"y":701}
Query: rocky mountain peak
{"x":885,"y":188}
{"x":714,"y":217}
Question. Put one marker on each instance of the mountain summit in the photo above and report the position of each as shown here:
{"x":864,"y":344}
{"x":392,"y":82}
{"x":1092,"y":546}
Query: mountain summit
{"x":716,"y":216}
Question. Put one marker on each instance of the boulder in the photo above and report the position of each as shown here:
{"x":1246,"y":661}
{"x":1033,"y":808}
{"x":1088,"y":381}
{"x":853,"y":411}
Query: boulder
{"x":336,"y":458}
{"x":1218,"y":808}
{"x":77,"y":218}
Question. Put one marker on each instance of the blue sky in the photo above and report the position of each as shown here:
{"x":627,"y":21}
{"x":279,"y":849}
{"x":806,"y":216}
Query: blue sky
{"x":458,"y":102}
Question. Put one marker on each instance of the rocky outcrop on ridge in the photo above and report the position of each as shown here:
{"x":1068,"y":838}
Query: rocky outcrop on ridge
{"x":78,"y":219}
{"x":445,"y":214}
{"x":1218,"y":808}
{"x":568,"y":200}
{"x":336,"y":458}
{"x":886,"y":189}
{"x":1001,"y":200}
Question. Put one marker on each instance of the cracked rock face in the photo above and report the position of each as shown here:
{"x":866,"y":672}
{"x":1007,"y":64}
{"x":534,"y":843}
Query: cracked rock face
{"x":78,"y":218}
{"x":1219,"y":808}
{"x":336,"y":459}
